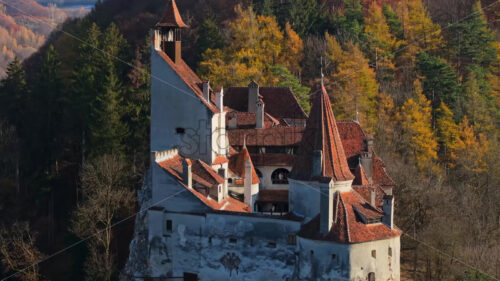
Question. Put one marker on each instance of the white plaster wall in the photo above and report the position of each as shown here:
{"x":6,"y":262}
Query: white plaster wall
{"x":219,"y":137}
{"x":199,"y":242}
{"x":170,"y":194}
{"x":266,"y":182}
{"x":174,"y":104}
{"x":384,"y":267}
{"x":304,"y":198}
{"x":316,"y":261}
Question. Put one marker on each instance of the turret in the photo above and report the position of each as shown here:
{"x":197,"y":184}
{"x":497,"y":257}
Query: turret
{"x":168,"y":32}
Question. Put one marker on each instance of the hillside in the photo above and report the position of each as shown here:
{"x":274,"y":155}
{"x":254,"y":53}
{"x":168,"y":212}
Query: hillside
{"x":24,"y":26}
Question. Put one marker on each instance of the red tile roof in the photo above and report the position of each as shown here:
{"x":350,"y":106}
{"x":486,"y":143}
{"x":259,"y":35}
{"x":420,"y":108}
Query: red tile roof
{"x":347,"y":224}
{"x":275,"y":136}
{"x":269,"y":195}
{"x":220,"y":160}
{"x":237,"y":164}
{"x":205,"y":177}
{"x":280,"y":101}
{"x":379,"y":175}
{"x":364,"y":191}
{"x":247,"y":120}
{"x":321,"y":134}
{"x":190,"y":78}
{"x":172,"y":17}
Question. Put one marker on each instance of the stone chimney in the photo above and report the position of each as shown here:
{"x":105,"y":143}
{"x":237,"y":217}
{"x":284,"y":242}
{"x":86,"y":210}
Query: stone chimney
{"x":206,"y":90}
{"x":187,"y":175}
{"x":259,"y":115}
{"x":366,"y":158}
{"x":326,"y":207}
{"x":372,"y":196}
{"x":219,"y":98}
{"x":247,"y":194}
{"x":388,"y":209}
{"x":253,"y":96}
{"x":317,"y":163}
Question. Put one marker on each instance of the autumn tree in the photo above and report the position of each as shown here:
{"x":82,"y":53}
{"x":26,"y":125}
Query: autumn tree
{"x":478,"y":104}
{"x":18,"y":252}
{"x":107,"y":197}
{"x":393,"y":21}
{"x":415,"y":123}
{"x":209,"y":37}
{"x":420,"y":32}
{"x":293,"y":50}
{"x":447,"y":131}
{"x":469,"y":151}
{"x":353,"y":82}
{"x":381,"y":43}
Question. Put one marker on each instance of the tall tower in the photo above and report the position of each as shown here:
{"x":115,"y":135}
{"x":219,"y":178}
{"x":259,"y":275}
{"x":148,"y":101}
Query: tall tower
{"x":168,"y":32}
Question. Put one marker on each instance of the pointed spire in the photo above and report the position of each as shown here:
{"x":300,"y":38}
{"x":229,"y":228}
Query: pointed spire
{"x":172,"y":18}
{"x":321,"y":134}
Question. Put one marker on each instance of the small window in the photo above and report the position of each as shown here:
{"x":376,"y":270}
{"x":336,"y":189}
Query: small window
{"x":280,"y":176}
{"x":232,"y":240}
{"x":390,"y":251}
{"x":292,"y":239}
{"x":271,"y":244}
{"x":229,"y":180}
{"x":374,"y":254}
{"x":169,"y":225}
{"x":180,"y":130}
{"x":334,"y":256}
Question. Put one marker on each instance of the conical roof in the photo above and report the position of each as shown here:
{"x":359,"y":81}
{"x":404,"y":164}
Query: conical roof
{"x":321,"y":133}
{"x":172,"y":17}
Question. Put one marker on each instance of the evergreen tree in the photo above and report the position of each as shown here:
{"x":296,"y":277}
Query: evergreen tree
{"x":209,"y":37}
{"x":478,"y":106}
{"x":306,"y":17}
{"x":440,"y":82}
{"x":393,"y":22}
{"x":50,"y":109}
{"x":282,"y":77}
{"x":264,"y":7}
{"x":471,"y":41}
{"x":348,"y":26}
{"x":14,"y":95}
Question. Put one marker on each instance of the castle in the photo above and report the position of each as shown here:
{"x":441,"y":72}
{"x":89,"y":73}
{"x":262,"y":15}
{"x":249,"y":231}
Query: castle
{"x":243,"y":185}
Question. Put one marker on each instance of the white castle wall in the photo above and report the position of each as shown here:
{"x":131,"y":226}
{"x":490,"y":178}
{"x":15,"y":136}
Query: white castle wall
{"x":175,"y":105}
{"x":384,"y":266}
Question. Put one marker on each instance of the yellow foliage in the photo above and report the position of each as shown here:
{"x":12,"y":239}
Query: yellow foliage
{"x":293,"y":48}
{"x":447,"y":130}
{"x":470,"y":151}
{"x":381,"y":42}
{"x":420,"y":32}
{"x":353,"y":84}
{"x":415,"y":117}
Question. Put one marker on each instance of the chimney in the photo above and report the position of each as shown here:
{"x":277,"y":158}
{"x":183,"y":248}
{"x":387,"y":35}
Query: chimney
{"x":187,"y":175}
{"x":206,"y":90}
{"x":259,"y":115}
{"x":366,"y":158}
{"x":247,"y":194}
{"x":388,"y":209}
{"x":253,"y":95}
{"x":219,"y":98}
{"x":326,"y":207}
{"x":372,"y":196}
{"x":317,"y":163}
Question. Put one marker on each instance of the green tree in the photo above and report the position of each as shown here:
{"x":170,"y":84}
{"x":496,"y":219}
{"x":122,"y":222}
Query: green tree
{"x":50,"y":111}
{"x":264,"y":7}
{"x":14,"y":95}
{"x":348,"y":26}
{"x":306,"y":17}
{"x":478,"y":105}
{"x":471,"y":41}
{"x":440,"y":82}
{"x":474,"y":275}
{"x":209,"y":37}
{"x":393,"y":22}
{"x":282,"y":77}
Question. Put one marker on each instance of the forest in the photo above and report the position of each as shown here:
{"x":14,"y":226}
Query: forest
{"x":422,"y":78}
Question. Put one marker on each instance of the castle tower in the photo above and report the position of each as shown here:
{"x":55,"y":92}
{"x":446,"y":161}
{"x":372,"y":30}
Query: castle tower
{"x":168,"y":30}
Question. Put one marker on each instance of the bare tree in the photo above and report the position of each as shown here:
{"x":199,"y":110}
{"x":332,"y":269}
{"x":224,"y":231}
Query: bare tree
{"x":18,"y":251}
{"x":107,"y":197}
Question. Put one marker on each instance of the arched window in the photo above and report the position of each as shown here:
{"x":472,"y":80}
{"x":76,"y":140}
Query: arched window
{"x":371,"y":276}
{"x":280,"y":176}
{"x":259,"y":173}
